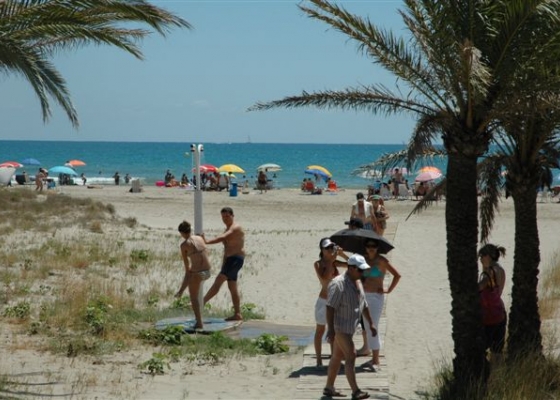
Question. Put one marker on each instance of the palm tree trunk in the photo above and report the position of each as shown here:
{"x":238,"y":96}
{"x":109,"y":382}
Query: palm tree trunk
{"x":461,"y":213}
{"x":524,"y":319}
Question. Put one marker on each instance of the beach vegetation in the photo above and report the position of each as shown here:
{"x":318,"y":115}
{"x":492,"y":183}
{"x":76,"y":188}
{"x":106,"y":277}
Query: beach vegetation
{"x":463,"y":66}
{"x":35,"y":30}
{"x":155,"y":365}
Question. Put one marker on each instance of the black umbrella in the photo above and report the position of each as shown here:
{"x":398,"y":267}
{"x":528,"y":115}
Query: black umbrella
{"x":353,"y":240}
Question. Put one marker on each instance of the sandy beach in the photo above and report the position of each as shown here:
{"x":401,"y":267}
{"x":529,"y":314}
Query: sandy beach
{"x":283,"y":229}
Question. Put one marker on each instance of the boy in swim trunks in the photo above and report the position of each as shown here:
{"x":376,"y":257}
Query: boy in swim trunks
{"x":233,"y":239}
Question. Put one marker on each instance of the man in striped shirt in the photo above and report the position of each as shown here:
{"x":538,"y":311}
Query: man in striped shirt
{"x":345,"y":304}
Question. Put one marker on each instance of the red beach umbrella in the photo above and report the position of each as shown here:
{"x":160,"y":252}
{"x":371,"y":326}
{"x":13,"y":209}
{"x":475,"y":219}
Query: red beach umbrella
{"x":75,"y":163}
{"x":14,"y":164}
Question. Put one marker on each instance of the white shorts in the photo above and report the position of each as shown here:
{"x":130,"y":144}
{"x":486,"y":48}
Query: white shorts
{"x":321,"y":311}
{"x":375,"y":305}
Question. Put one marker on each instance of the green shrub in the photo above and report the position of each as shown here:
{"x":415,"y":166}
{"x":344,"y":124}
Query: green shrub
{"x":21,"y":310}
{"x":155,"y":365}
{"x":272,"y":344}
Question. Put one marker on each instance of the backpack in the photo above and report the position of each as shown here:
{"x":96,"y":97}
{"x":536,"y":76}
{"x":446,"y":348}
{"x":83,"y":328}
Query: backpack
{"x":493,"y":309}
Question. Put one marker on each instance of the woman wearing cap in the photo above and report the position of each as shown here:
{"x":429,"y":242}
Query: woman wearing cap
{"x":491,"y":286}
{"x":326,"y":269}
{"x":363,"y":210}
{"x":375,"y":293}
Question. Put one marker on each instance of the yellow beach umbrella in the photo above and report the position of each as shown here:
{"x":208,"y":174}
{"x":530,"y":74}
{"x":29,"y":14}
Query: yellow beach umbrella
{"x":313,"y":168}
{"x":231,"y":168}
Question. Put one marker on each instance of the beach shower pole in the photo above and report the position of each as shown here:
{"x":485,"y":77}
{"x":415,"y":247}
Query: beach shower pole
{"x":196,"y":150}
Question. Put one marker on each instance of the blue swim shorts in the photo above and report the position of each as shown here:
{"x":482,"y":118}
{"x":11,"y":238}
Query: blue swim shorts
{"x":231,"y":267}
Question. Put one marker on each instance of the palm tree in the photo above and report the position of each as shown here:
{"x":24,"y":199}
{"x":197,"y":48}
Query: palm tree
{"x":527,"y":149}
{"x":461,"y":58}
{"x":31,"y":31}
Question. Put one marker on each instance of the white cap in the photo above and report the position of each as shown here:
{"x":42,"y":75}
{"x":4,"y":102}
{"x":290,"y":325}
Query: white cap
{"x":358,"y":261}
{"x":326,"y":243}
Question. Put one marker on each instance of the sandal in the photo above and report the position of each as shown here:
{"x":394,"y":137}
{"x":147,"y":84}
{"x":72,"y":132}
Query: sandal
{"x":332,"y":393}
{"x":359,"y":395}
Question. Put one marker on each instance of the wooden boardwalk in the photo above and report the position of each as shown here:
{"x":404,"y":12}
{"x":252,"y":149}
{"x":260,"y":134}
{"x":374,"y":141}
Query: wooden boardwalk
{"x":312,"y":379}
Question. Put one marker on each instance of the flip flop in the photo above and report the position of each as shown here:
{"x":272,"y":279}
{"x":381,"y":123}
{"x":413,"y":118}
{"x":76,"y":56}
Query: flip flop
{"x":332,"y":393}
{"x":359,"y":395}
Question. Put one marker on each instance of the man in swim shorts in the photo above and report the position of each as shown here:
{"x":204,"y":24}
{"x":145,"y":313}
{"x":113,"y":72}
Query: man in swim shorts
{"x":233,"y":239}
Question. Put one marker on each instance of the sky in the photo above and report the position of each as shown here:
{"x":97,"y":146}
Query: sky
{"x":196,"y":85}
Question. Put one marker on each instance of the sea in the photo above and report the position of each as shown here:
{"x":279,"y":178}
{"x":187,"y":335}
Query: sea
{"x":149,"y":161}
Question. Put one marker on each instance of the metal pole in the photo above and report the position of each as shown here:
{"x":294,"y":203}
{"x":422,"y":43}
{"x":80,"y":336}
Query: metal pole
{"x":196,"y":150}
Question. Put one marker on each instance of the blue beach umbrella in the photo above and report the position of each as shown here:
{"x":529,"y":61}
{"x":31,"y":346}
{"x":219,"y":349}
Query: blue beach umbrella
{"x":60,"y":169}
{"x":30,"y":161}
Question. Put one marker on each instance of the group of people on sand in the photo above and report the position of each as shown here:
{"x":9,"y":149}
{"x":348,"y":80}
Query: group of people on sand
{"x":198,"y":268}
{"x":371,"y":212}
{"x":358,"y":295}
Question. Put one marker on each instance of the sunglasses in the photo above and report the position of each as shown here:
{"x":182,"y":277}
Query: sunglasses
{"x":361,"y":271}
{"x":371,"y":246}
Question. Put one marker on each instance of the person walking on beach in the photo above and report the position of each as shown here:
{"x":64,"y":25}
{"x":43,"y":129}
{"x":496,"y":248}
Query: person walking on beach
{"x":381,"y":214}
{"x":345,"y":303}
{"x":197,"y":269}
{"x":262,"y":181}
{"x":491,"y":286}
{"x":363,"y":210}
{"x":326,"y":269}
{"x":372,"y":281}
{"x":233,"y":239}
{"x":39,"y":180}
{"x":117,"y":178}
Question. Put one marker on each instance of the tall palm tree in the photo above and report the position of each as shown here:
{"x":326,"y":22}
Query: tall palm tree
{"x":31,"y":31}
{"x":528,"y":148}
{"x":461,"y":58}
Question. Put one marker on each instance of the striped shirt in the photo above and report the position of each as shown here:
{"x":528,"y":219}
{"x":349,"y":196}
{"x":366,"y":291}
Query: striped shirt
{"x":348,"y":302}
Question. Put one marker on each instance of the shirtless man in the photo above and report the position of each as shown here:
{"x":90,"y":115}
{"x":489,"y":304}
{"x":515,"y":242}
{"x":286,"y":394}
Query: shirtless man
{"x":233,"y":239}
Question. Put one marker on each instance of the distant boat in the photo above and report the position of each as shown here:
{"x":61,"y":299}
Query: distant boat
{"x":249,"y":139}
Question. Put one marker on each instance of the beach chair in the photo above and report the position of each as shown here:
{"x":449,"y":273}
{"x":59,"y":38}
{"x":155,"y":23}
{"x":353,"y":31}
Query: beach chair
{"x":404,"y":193}
{"x":135,"y":186}
{"x":385,"y":193}
{"x":544,"y":196}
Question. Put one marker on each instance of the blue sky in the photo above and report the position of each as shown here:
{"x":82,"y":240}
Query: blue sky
{"x":196,"y":85}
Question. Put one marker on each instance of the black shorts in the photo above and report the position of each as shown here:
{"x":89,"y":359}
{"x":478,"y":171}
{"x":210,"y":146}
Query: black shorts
{"x":495,"y":336}
{"x":231,"y":267}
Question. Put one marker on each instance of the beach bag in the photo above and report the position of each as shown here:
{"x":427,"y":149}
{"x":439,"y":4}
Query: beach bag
{"x":493,"y":309}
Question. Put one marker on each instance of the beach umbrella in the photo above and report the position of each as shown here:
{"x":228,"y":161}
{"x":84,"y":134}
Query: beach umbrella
{"x":430,"y":168}
{"x":269,"y":167}
{"x":61,"y":169}
{"x":207,"y":168}
{"x":428,"y":176}
{"x":324,"y":171}
{"x":30,"y":161}
{"x":13,"y":164}
{"x":75,"y":163}
{"x":231,"y":168}
{"x":353,"y":240}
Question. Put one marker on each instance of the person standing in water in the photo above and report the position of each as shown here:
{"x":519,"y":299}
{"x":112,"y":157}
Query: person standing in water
{"x":233,"y":239}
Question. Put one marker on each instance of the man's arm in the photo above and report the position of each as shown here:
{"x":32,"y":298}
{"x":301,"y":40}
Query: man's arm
{"x":221,"y":238}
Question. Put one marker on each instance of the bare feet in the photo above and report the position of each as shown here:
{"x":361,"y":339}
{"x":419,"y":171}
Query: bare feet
{"x":235,"y":317}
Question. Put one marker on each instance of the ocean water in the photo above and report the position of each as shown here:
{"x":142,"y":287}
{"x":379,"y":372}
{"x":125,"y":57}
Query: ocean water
{"x":149,"y":161}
